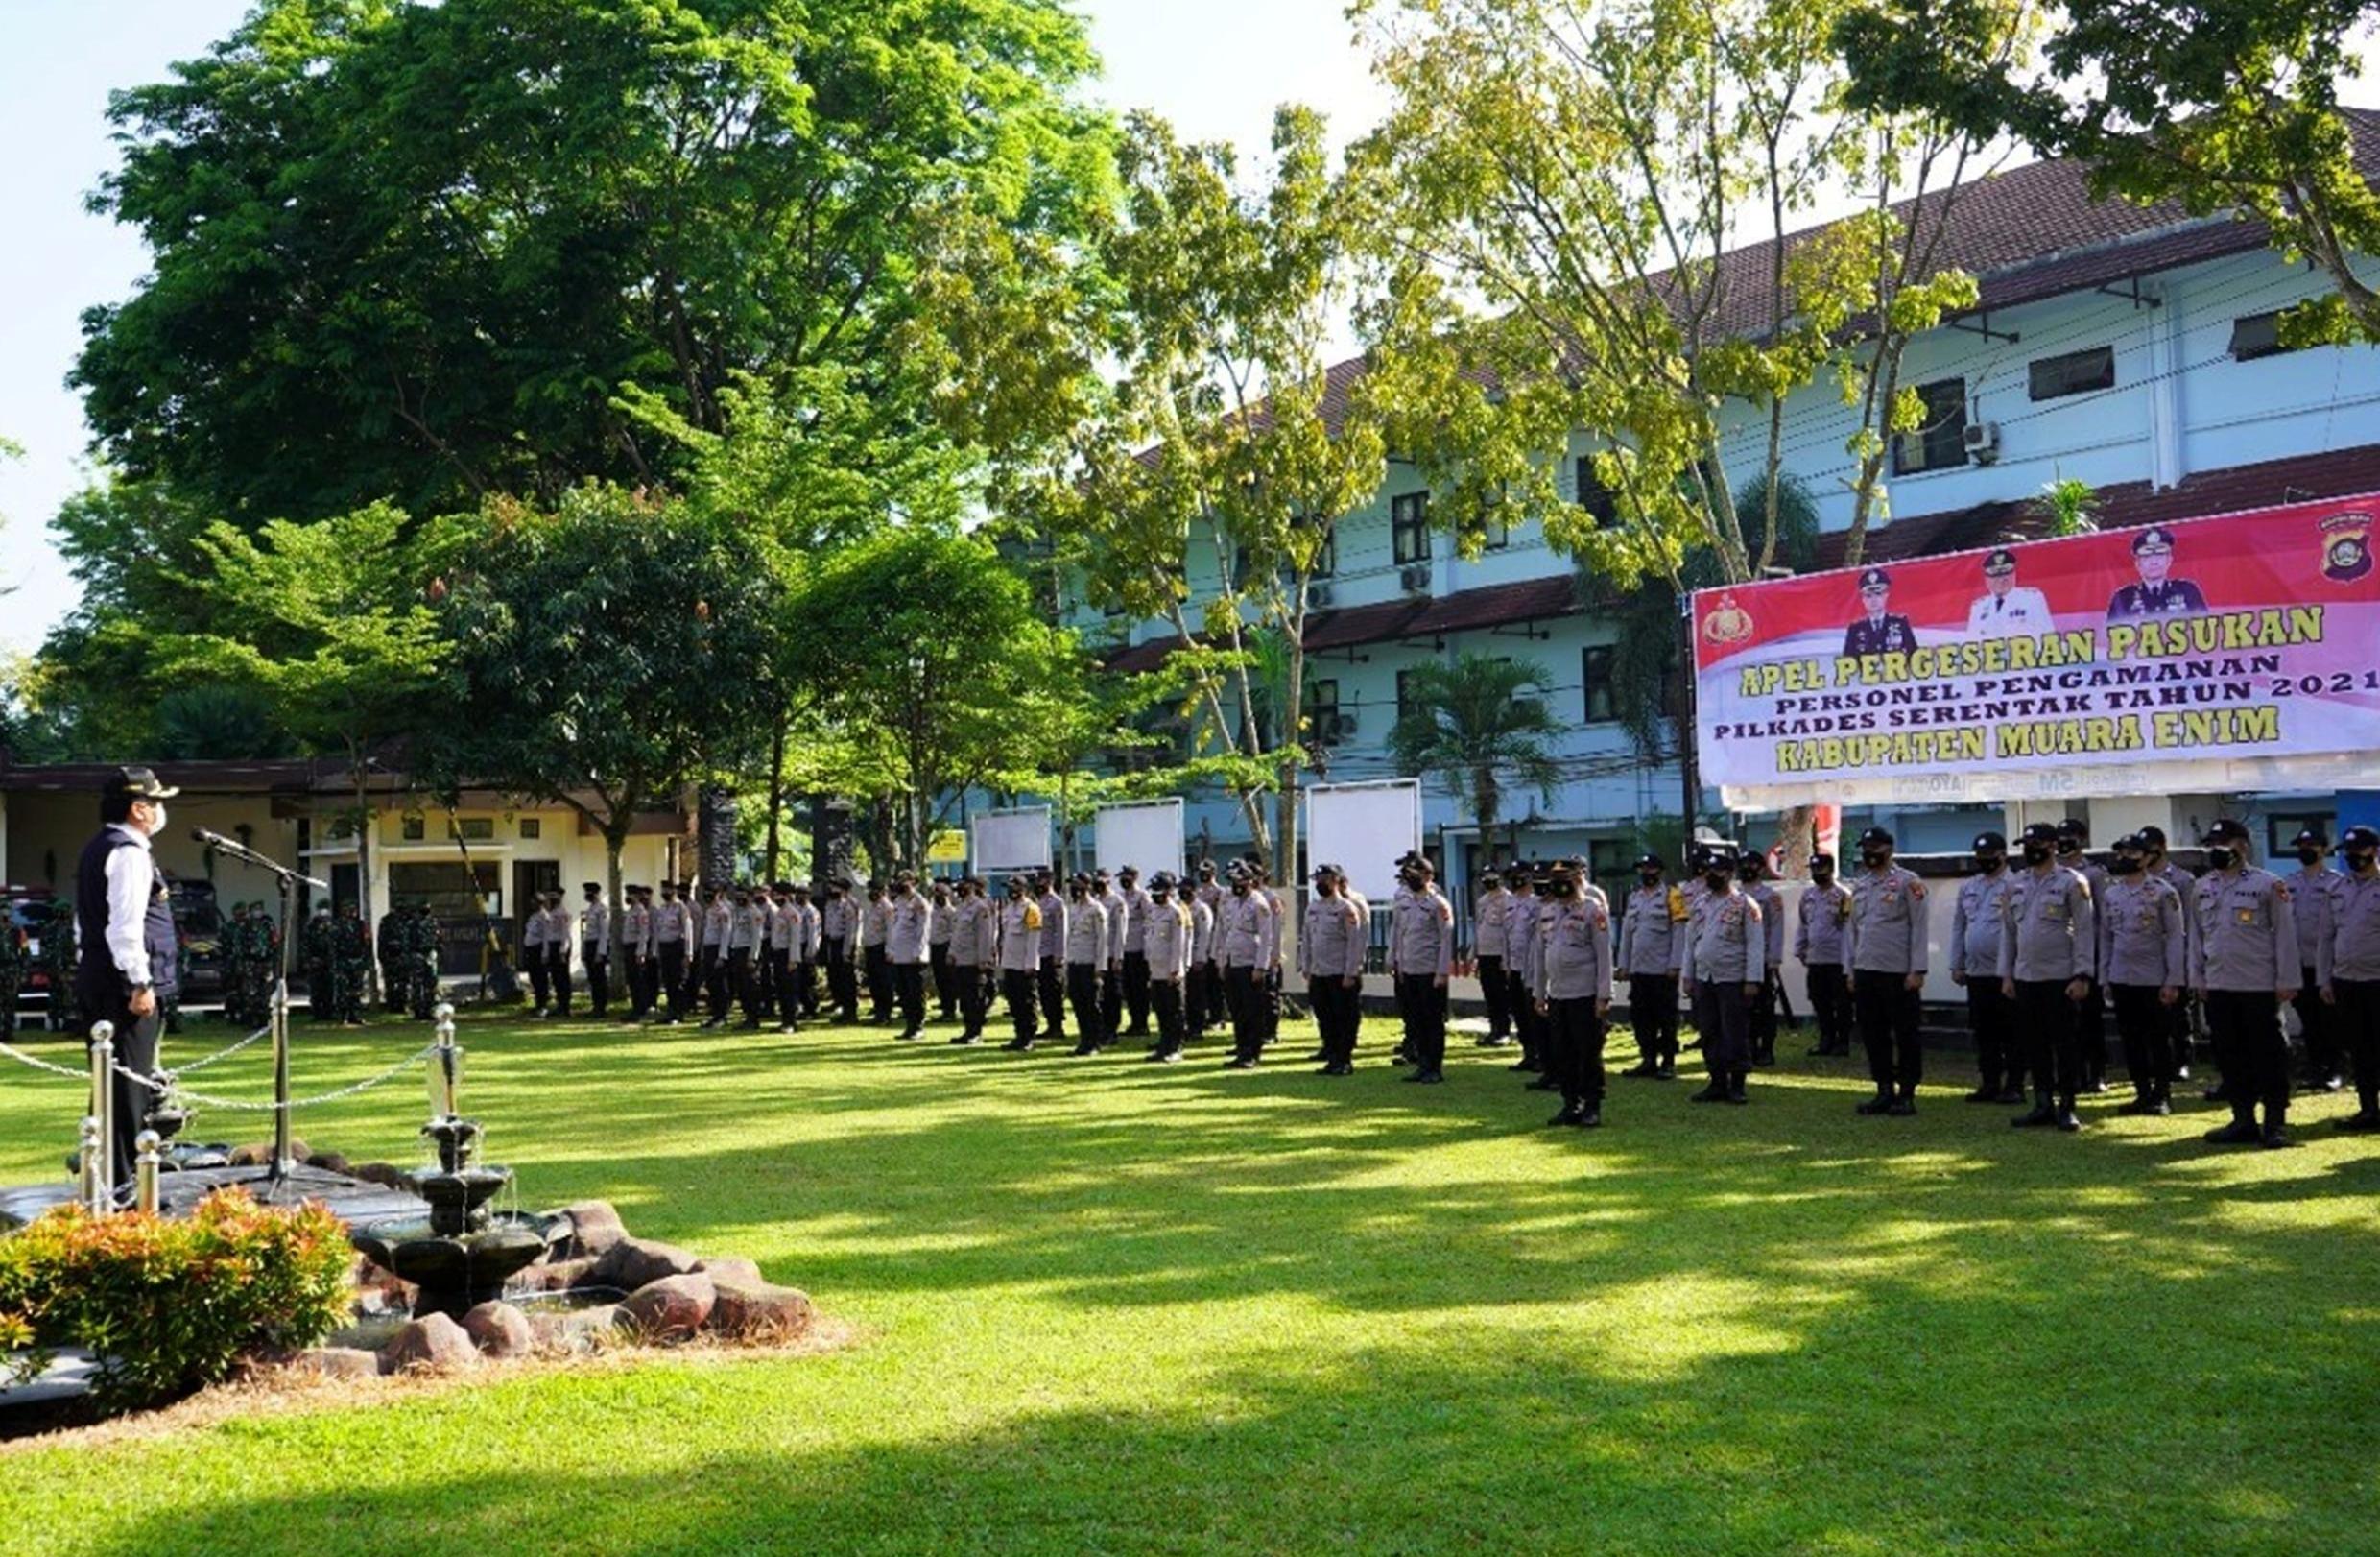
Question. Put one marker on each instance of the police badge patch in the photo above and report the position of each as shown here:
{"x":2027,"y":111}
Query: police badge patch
{"x":2346,"y":547}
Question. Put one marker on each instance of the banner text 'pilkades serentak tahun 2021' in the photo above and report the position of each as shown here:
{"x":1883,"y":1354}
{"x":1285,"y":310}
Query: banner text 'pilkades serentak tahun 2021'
{"x":2235,"y":651}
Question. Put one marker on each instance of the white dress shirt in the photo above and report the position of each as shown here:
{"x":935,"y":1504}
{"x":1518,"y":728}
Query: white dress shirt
{"x":131,"y":880}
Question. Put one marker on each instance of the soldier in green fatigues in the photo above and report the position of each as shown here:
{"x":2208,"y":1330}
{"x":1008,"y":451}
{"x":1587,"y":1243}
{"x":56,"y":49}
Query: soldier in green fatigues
{"x":422,"y":961}
{"x":390,"y":936}
{"x":260,"y":966}
{"x":58,"y":962}
{"x":351,"y":966}
{"x":12,"y":975}
{"x":314,"y":949}
{"x":234,"y":949}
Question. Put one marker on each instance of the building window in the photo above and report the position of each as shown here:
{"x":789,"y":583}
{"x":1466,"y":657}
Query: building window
{"x":531,"y":827}
{"x":1939,"y":441}
{"x":2281,"y":828}
{"x":1409,"y":527}
{"x":1326,"y":556}
{"x":476,"y":830}
{"x":1600,"y":707}
{"x":411,"y":830}
{"x":1322,"y":711}
{"x":2077,"y":372}
{"x":1592,"y":494}
{"x":2258,"y":335}
{"x":1612,"y":862}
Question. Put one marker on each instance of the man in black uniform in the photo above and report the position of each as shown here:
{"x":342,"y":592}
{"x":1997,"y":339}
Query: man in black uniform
{"x":2157,"y":594}
{"x":1878,"y":630}
{"x":114,"y":983}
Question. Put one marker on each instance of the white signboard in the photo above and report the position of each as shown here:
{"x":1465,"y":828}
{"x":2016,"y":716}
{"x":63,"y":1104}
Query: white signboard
{"x":1011,"y":840}
{"x":1365,"y":829}
{"x":1146,"y":836}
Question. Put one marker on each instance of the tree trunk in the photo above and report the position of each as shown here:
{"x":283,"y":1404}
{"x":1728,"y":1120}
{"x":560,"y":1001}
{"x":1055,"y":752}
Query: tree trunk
{"x":363,"y":882}
{"x":776,"y":794}
{"x":615,"y":843}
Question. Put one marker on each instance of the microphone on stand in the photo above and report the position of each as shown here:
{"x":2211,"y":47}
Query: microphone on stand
{"x":212,"y":840}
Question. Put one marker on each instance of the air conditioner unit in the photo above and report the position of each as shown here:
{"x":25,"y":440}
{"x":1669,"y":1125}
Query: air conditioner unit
{"x":1981,"y":439}
{"x":1414,"y":579}
{"x":1318,"y":597}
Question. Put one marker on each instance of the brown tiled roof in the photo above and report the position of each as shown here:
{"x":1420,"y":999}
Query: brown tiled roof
{"x":2232,"y":490}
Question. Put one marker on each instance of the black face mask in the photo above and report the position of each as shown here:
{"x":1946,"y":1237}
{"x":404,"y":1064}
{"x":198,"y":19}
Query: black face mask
{"x":1872,"y":857}
{"x":2036,"y":853}
{"x":2124,"y":864}
{"x":1988,"y":863}
{"x":1651,"y":878}
{"x":1717,"y":881}
{"x":2361,"y":859}
{"x":2222,"y":858}
{"x":1412,"y":879}
{"x":2309,"y":856}
{"x":1821,"y":876}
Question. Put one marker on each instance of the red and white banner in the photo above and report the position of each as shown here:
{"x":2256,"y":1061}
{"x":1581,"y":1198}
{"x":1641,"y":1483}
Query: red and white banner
{"x":2235,"y":651}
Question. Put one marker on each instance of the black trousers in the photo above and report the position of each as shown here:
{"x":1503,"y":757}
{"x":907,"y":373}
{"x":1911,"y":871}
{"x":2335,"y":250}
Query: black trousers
{"x":1887,"y":1009}
{"x":1497,"y":989}
{"x":392,"y":985}
{"x":2141,"y":1021}
{"x":1423,"y":1001}
{"x":879,"y":974}
{"x":1165,"y":999}
{"x":1652,"y":1011}
{"x":1217,"y":1008}
{"x":743,"y":980}
{"x":2090,"y":1032}
{"x":2053,"y":1037}
{"x":1198,"y":988}
{"x":1529,"y":1026}
{"x":1830,"y":1002}
{"x":1338,"y":1015}
{"x":1270,"y":993}
{"x":136,"y":1041}
{"x":596,"y":958}
{"x":1722,"y":1014}
{"x":974,"y":986}
{"x":672,"y":973}
{"x":632,"y":978}
{"x":841,"y":988}
{"x":777,"y":984}
{"x":2322,"y":1049}
{"x":1989,"y":1013}
{"x":1764,"y":1023}
{"x":1242,"y":989}
{"x":558,"y":975}
{"x":945,"y":987}
{"x":1082,"y":984}
{"x":1576,"y":1050}
{"x":908,"y":988}
{"x":1019,"y":984}
{"x":533,"y":957}
{"x":1053,"y":978}
{"x":715,"y":983}
{"x":2246,"y":1026}
{"x":2356,"y":1021}
{"x":1110,"y":1002}
{"x":802,"y":995}
{"x":1137,"y":993}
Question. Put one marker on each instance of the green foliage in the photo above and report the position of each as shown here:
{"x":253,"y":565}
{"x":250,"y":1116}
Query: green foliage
{"x":212,"y":722}
{"x":2228,"y":106}
{"x":172,"y":1304}
{"x":418,"y":252}
{"x":1474,"y":725}
{"x":2070,"y":504}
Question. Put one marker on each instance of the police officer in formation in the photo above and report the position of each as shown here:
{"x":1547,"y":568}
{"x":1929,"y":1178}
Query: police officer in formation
{"x":595,"y":948}
{"x":1976,"y":924}
{"x":1883,"y":942}
{"x":1421,"y":956}
{"x":1249,"y":939}
{"x":2349,"y":968}
{"x":2314,"y":890}
{"x":1022,"y":962}
{"x":2144,"y":964}
{"x":1487,"y":957}
{"x":1819,"y":931}
{"x":946,"y":903}
{"x":1110,"y":896}
{"x":1523,"y":912}
{"x":1330,"y":957}
{"x":1652,"y":946}
{"x":2074,"y":836}
{"x":2243,"y":964}
{"x":1134,"y":950}
{"x":2157,"y":862}
{"x":1573,"y":993}
{"x":1051,"y":978}
{"x":1207,"y":1011}
{"x":2049,"y":957}
{"x":974,"y":956}
{"x":908,"y":928}
{"x":1723,"y":969}
{"x":875,"y":964}
{"x":1169,"y":936}
{"x":1751,"y":868}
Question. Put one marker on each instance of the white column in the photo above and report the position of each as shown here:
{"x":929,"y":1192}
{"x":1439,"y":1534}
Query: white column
{"x":2166,"y":463}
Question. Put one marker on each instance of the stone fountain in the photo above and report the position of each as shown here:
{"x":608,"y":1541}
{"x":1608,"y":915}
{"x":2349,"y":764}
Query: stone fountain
{"x":464,"y":1253}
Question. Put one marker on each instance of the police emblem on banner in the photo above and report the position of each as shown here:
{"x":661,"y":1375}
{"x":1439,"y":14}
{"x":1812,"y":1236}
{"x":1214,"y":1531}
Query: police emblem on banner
{"x":2346,"y":547}
{"x":1728,"y":622}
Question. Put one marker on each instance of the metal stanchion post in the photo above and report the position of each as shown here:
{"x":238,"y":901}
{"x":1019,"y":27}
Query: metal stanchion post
{"x":91,"y":1184}
{"x":145,"y":1181}
{"x":104,"y":1110}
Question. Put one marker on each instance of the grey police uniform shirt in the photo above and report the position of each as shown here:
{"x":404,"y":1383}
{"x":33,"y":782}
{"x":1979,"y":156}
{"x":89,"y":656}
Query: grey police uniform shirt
{"x":875,"y":921}
{"x":2353,"y":950}
{"x":1021,"y":927}
{"x":1087,"y":933}
{"x":806,"y":936}
{"x":559,"y":923}
{"x":1771,"y":921}
{"x":1421,"y":936}
{"x":635,"y":929}
{"x":1886,"y":933}
{"x":1336,"y":937}
{"x":1166,"y":943}
{"x":595,"y":928}
{"x":1053,"y":926}
{"x":1522,"y":941}
{"x":671,"y":923}
{"x":1487,"y":922}
{"x":1119,"y":926}
{"x":718,"y":923}
{"x":835,"y":919}
{"x":1574,"y":960}
{"x":2049,"y":934}
{"x":1649,"y":932}
{"x":1246,"y":930}
{"x":1976,"y":923}
{"x":1202,"y":931}
{"x":1137,"y":905}
{"x":974,"y":933}
{"x":745,"y":924}
{"x":909,"y":927}
{"x":2246,"y":932}
{"x":1725,"y":941}
{"x":1821,"y":917}
{"x":2314,"y":893}
{"x":2144,"y":937}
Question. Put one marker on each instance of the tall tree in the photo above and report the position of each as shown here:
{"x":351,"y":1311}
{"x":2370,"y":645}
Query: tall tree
{"x":606,"y":654}
{"x":326,"y":623}
{"x":415,"y":251}
{"x":1477,"y":725}
{"x":2227,"y":106}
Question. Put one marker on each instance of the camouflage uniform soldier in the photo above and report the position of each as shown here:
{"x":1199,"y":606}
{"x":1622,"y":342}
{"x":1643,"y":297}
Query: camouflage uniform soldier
{"x":316,"y":947}
{"x":422,"y":961}
{"x":390,"y":936}
{"x":351,"y":966}
{"x":12,"y":975}
{"x":234,"y":945}
{"x":57,"y":961}
{"x":262,"y":964}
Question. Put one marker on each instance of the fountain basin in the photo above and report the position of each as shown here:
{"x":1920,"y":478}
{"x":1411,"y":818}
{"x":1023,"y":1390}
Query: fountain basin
{"x":454,"y":1272}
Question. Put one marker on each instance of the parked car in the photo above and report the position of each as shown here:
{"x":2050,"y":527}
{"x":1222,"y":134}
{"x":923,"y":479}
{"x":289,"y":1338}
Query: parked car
{"x":200,"y":925}
{"x":28,"y":916}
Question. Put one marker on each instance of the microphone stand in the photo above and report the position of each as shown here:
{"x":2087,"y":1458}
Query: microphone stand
{"x":289,"y":879}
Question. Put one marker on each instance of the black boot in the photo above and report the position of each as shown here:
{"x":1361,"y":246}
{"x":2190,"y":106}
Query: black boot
{"x":1715,"y":1093}
{"x":2044,"y":1114}
{"x":2067,"y":1119}
{"x":2242,"y":1131}
{"x":1881,"y":1103}
{"x":1736,"y":1089}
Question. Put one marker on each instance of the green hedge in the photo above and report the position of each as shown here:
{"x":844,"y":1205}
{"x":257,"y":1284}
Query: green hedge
{"x":170,"y":1305}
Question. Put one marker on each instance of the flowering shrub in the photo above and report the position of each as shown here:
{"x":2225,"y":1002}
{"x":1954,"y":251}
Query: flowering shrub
{"x":169,"y":1304}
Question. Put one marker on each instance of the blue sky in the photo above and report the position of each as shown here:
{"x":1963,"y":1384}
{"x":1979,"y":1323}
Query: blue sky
{"x":1216,"y":68}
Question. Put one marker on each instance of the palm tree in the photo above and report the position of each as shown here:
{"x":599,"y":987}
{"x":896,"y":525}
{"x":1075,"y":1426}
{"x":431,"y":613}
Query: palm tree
{"x":1473,"y":723}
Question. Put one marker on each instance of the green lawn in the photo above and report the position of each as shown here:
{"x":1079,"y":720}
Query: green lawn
{"x":1110,"y":1306}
